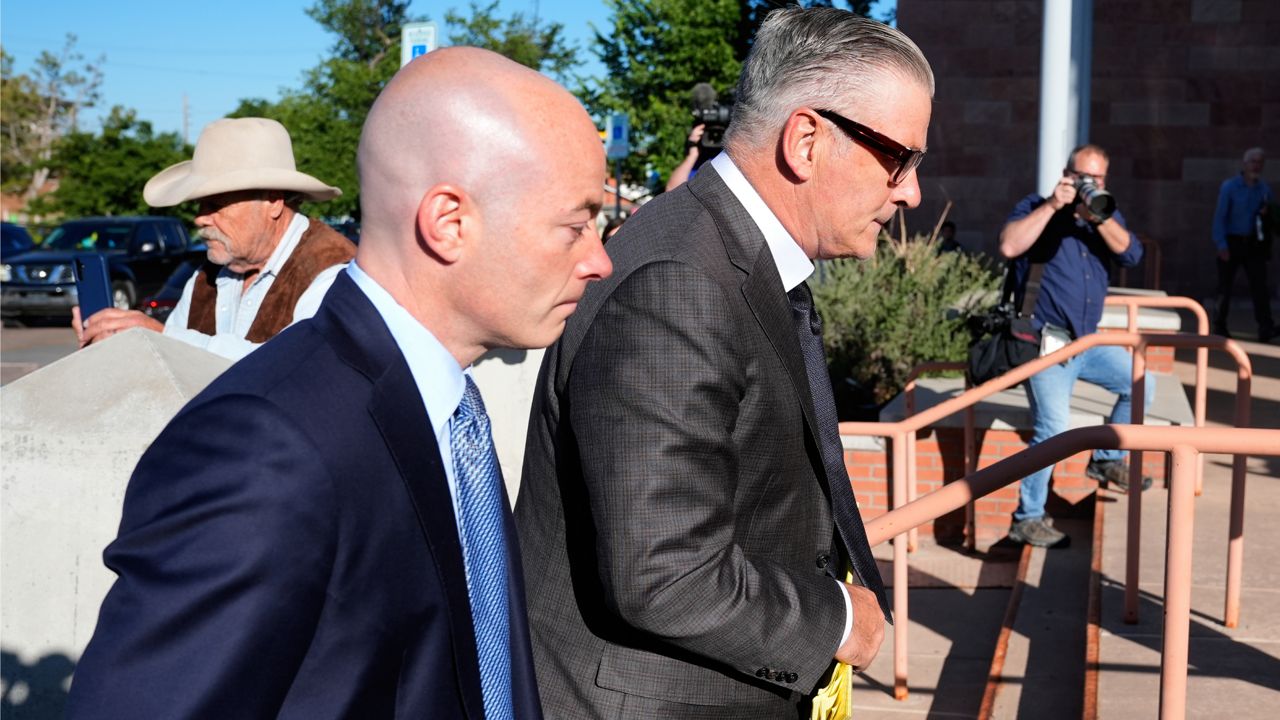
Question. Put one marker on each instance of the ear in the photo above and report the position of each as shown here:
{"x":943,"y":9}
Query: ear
{"x":275,"y":205}
{"x":799,"y":137}
{"x":445,"y":221}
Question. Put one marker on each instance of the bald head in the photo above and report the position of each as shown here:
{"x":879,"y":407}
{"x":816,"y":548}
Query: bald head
{"x":479,"y":178}
{"x":463,"y":116}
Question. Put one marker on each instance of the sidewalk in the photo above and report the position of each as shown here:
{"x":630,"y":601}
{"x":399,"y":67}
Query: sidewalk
{"x":1234,"y":672}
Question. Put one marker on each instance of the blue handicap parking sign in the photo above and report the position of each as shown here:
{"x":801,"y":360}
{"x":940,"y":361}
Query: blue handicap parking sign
{"x":419,"y":50}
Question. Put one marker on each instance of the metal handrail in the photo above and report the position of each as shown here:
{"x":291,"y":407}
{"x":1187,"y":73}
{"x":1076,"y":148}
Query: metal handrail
{"x":1184,"y":444}
{"x":899,"y":431}
{"x":909,"y":409}
{"x":1133,"y":303}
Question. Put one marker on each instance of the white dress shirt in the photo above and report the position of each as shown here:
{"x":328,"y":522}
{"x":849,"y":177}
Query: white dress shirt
{"x":794,"y":267}
{"x":440,"y":380}
{"x":237,"y":306}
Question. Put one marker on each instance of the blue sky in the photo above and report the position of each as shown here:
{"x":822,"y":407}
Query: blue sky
{"x":215,"y":52}
{"x":218,"y":52}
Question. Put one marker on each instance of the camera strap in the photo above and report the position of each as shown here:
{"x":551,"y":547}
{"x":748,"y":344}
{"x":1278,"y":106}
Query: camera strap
{"x":1031,"y":291}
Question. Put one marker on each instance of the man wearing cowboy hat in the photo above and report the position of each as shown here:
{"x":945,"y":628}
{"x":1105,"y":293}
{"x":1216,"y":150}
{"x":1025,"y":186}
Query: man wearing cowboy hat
{"x":269,"y":266}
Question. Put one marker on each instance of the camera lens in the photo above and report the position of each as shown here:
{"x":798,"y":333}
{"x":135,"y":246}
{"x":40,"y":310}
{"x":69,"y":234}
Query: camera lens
{"x":1100,"y":203}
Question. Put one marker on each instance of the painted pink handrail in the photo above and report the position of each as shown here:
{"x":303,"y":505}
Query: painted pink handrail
{"x":1235,"y":539}
{"x":898,"y":433}
{"x":909,"y":409}
{"x":1133,"y":303}
{"x":1184,"y":444}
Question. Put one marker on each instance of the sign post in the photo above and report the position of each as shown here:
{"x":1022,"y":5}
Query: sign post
{"x":617,"y":147}
{"x":418,"y":38}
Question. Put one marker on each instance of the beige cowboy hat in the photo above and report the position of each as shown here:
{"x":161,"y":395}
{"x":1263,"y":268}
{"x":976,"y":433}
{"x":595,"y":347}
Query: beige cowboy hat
{"x":235,"y":154}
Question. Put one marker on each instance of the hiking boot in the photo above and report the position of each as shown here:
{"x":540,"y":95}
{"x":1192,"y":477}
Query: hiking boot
{"x":1037,"y":532}
{"x":1114,"y":474}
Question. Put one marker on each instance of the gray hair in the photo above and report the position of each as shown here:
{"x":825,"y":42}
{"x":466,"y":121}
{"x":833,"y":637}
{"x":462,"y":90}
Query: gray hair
{"x":816,"y":57}
{"x":1262,"y":154}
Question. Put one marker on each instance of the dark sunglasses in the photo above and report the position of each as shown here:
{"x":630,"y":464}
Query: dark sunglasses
{"x":906,"y":158}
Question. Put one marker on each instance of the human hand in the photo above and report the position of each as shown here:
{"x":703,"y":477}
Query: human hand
{"x":77,"y":325}
{"x":1082,"y":212}
{"x":695,"y":137}
{"x":105,"y":323}
{"x":1064,"y":193}
{"x":867,"y":632}
{"x":1224,"y":255}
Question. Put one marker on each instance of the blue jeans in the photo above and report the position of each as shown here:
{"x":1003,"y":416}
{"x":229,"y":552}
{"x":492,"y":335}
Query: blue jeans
{"x":1049,"y":392}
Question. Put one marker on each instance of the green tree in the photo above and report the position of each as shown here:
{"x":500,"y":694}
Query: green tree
{"x":754,"y":12}
{"x":655,"y":51}
{"x":324,"y":117}
{"x":103,"y":173}
{"x":38,"y":109}
{"x":525,"y":40}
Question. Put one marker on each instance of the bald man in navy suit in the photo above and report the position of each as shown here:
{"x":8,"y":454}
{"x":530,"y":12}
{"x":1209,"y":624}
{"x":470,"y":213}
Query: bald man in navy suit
{"x":323,"y":532}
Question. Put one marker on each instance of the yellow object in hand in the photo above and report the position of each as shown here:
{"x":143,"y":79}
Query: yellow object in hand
{"x":834,"y":701}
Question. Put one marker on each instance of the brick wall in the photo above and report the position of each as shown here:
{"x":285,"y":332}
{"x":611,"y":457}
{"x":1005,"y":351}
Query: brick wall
{"x":1159,"y":359}
{"x":940,"y":459}
{"x":1180,"y":88}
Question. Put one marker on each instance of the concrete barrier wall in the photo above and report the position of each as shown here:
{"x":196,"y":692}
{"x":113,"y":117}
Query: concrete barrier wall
{"x":70,"y":436}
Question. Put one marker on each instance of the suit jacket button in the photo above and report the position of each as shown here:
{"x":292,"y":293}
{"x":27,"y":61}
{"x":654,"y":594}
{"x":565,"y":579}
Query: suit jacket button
{"x":762,"y":672}
{"x":823,"y":560}
{"x":792,"y":677}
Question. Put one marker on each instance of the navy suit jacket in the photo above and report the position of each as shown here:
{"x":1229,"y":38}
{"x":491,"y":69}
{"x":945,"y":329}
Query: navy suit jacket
{"x":288,"y":549}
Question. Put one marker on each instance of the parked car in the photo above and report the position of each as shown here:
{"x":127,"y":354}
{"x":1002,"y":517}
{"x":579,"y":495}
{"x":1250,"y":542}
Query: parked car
{"x":14,"y":240}
{"x":141,"y":253}
{"x":162,"y":303}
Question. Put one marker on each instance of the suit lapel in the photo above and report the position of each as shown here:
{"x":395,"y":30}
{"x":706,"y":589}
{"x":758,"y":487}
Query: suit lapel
{"x":361,"y":337}
{"x":762,"y":288}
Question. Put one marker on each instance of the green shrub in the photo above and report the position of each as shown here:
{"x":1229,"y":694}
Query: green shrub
{"x":904,"y":306}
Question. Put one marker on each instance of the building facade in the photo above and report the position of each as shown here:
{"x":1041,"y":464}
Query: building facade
{"x":1179,"y":89}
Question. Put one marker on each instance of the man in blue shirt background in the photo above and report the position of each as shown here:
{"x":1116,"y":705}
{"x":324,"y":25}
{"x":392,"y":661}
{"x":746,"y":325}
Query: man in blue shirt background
{"x":1077,"y":249}
{"x":1240,"y":233}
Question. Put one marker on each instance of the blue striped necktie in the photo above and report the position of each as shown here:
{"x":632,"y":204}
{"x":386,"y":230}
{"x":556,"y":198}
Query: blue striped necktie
{"x":480,"y":501}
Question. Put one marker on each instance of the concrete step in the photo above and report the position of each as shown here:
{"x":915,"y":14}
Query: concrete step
{"x":957,"y":601}
{"x":1043,"y":670}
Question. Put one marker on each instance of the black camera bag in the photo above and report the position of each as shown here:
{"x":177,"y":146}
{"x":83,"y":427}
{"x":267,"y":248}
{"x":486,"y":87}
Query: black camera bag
{"x":1004,"y":338}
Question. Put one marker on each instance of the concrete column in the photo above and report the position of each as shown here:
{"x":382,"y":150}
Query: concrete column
{"x":1061,"y":76}
{"x":1081,"y":67}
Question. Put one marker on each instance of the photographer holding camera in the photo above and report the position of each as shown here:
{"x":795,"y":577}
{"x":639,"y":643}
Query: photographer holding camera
{"x":706,"y":138}
{"x":1073,"y":236}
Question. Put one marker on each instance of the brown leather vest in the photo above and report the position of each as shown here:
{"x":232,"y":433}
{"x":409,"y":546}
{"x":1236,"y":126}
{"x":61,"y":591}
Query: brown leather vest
{"x":319,"y":247}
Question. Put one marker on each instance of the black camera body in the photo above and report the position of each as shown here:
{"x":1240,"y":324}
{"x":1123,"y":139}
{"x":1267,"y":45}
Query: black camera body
{"x":1100,"y":203}
{"x":713,"y":115}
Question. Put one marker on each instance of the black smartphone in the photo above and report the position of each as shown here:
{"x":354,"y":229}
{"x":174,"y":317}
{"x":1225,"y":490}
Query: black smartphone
{"x":93,"y":284}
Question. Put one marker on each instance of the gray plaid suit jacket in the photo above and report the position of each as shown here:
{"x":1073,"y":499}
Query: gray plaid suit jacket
{"x":677,"y":537}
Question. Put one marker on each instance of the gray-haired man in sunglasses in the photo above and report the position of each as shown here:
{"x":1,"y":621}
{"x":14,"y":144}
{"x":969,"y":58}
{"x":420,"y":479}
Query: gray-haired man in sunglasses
{"x":693,"y":549}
